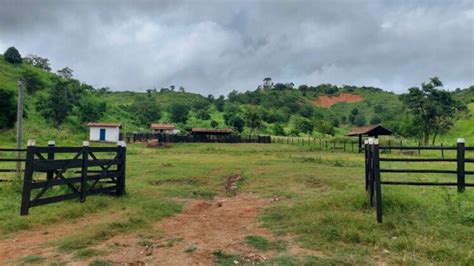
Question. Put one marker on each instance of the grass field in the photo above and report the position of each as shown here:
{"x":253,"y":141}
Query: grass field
{"x":321,"y":211}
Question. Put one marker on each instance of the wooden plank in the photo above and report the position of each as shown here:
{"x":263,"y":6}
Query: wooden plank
{"x":55,"y":182}
{"x":410,"y":183}
{"x":429,"y":171}
{"x":48,"y":165}
{"x":11,"y":149}
{"x":417,"y":148}
{"x":12,"y":160}
{"x":54,"y":199}
{"x":58,"y":149}
{"x":417,"y":160}
{"x":102,"y":190}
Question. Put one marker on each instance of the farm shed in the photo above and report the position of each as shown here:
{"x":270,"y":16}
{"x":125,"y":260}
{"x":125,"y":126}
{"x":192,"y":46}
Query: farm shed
{"x":104,"y":132}
{"x":205,"y":134}
{"x":370,"y":131}
{"x":164,"y":129}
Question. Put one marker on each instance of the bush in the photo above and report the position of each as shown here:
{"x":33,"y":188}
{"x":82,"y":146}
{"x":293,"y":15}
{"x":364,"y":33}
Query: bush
{"x":33,"y":81}
{"x":12,"y":56}
{"x":7,"y":109}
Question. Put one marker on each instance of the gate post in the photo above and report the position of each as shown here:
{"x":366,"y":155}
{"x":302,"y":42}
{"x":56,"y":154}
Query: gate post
{"x":51,"y":143}
{"x":26,"y":194}
{"x":378,"y":185}
{"x":122,"y":149}
{"x":366,"y":146}
{"x":461,"y":165}
{"x":85,"y":158}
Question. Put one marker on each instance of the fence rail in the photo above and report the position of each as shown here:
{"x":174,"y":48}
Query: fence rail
{"x":373,"y":170}
{"x":96,"y":175}
{"x":190,"y":138}
{"x":19,"y":159}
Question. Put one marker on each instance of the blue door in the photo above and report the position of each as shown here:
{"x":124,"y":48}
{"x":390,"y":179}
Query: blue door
{"x":102,"y":134}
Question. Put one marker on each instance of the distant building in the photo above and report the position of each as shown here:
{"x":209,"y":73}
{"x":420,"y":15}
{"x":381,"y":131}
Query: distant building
{"x":104,"y":132}
{"x":164,"y":129}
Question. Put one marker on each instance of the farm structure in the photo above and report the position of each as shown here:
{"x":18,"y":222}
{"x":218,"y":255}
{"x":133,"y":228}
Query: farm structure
{"x":164,"y":129}
{"x":373,"y":169}
{"x":191,"y":138}
{"x":83,"y":170}
{"x":370,"y":131}
{"x":104,"y":132}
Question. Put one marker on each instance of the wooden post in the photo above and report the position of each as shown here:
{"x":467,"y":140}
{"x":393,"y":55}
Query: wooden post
{"x":360,"y":143}
{"x":51,"y":144}
{"x":19,"y":127}
{"x":28,"y":178}
{"x":326,"y":144}
{"x":85,"y":158}
{"x":442,"y":151}
{"x":366,"y":146}
{"x":122,"y":148}
{"x":378,"y":185}
{"x":390,"y":144}
{"x":461,"y":165}
{"x":419,"y":151}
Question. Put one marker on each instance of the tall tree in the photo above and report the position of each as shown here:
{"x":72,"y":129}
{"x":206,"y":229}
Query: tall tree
{"x":57,"y":105}
{"x":65,"y":72}
{"x":433,"y":109}
{"x":179,"y":112}
{"x":12,"y":56}
{"x":253,"y":118}
{"x":7,"y":109}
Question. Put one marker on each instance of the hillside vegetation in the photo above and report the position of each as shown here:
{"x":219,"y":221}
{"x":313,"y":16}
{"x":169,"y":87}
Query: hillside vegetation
{"x":61,"y":104}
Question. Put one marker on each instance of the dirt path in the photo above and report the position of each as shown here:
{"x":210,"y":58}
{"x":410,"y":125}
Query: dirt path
{"x":36,"y":242}
{"x":191,"y":237}
{"x":328,"y":101}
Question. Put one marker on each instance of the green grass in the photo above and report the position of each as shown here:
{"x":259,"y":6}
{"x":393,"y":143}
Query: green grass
{"x":324,"y":206}
{"x":28,"y":260}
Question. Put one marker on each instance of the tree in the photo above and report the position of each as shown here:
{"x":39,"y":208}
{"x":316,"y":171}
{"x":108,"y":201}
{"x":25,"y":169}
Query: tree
{"x":56,"y":106}
{"x":91,"y":109}
{"x":252,"y":118}
{"x":302,"y":124}
{"x":33,"y":81}
{"x":7,"y":109}
{"x":325,"y":127}
{"x":237,"y":123}
{"x":219,"y":103}
{"x":145,"y":110}
{"x":12,"y":56}
{"x":214,"y":124}
{"x":359,"y":120}
{"x":375,"y":120}
{"x":353,"y":115}
{"x":433,"y":109}
{"x":65,"y":73}
{"x":39,"y":62}
{"x":179,"y":112}
{"x":278,"y":130}
{"x":181,"y":89}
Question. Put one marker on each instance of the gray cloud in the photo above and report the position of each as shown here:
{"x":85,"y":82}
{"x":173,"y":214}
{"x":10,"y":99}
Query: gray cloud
{"x":216,"y":46}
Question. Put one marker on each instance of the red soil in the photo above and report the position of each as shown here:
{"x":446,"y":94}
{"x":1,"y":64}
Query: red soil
{"x":328,"y":101}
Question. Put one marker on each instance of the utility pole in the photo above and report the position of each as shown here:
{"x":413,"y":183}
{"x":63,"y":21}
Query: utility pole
{"x":19,"y":126}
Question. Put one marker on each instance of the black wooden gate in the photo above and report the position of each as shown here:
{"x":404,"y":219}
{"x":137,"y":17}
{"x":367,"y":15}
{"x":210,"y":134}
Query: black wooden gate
{"x":54,"y":174}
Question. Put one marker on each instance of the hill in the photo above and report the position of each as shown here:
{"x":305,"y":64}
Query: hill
{"x":280,"y":109}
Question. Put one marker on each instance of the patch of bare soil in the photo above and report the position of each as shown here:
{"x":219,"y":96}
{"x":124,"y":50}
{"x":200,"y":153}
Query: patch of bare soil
{"x":35,"y":242}
{"x":204,"y":227}
{"x":328,"y":101}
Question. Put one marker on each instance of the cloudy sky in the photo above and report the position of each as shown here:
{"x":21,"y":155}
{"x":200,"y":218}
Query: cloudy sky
{"x":216,"y":46}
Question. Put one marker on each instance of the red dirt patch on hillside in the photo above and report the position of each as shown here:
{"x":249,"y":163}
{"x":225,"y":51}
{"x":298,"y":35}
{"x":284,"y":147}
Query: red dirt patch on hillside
{"x":328,"y":101}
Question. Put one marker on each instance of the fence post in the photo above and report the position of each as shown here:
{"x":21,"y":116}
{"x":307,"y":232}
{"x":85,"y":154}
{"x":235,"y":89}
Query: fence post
{"x":122,"y":148}
{"x":85,"y":158}
{"x":461,"y":165}
{"x":51,"y":143}
{"x":26,"y":194}
{"x":370,"y":179}
{"x":378,"y":185}
{"x":419,"y":151}
{"x":326,"y":144}
{"x":366,"y":164}
{"x":442,"y":150}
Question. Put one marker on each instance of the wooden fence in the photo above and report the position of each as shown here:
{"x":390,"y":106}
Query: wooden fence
{"x":373,"y":169}
{"x":18,"y":159}
{"x":167,"y":138}
{"x":63,"y":173}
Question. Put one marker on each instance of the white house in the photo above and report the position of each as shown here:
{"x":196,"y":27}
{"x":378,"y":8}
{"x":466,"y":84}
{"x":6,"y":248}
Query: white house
{"x":164,"y":128}
{"x":104,"y":132}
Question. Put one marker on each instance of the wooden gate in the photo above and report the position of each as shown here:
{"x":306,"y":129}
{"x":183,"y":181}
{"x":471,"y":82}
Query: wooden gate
{"x":54,"y":174}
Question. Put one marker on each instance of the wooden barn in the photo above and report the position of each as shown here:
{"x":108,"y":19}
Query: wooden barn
{"x":104,"y":132}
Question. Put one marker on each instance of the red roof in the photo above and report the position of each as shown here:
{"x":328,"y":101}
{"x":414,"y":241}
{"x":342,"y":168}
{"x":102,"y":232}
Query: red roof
{"x":163,"y":126}
{"x":211,"y":131}
{"x":95,"y":124}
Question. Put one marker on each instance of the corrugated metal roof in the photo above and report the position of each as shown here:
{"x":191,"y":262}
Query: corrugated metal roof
{"x":369,"y":130}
